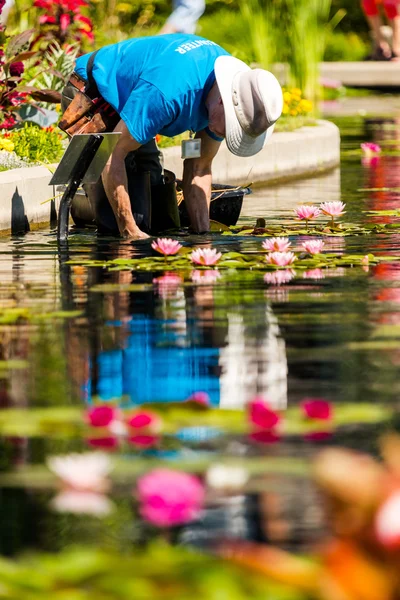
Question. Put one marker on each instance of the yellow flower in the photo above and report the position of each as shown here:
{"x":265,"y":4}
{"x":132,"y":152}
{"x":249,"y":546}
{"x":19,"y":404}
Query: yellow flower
{"x":287,"y":96}
{"x":296,"y":91}
{"x":6,"y":144}
{"x":306,"y":105}
{"x":293,"y":113}
{"x":285,"y":109}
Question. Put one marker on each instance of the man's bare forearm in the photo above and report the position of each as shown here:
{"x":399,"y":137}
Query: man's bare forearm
{"x":197,"y":193}
{"x":116,"y":185}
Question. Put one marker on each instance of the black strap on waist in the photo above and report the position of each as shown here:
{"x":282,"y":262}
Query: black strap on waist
{"x":91,"y":87}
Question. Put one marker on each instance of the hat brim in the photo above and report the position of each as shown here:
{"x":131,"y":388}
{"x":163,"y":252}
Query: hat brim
{"x":238,"y":142}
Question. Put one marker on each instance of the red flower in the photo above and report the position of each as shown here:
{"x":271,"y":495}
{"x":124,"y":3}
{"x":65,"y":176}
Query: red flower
{"x":261,"y":415}
{"x":65,"y":20}
{"x":105,"y":443}
{"x":101,"y":416}
{"x":317,"y":408}
{"x":264,"y":437}
{"x":47,"y":19}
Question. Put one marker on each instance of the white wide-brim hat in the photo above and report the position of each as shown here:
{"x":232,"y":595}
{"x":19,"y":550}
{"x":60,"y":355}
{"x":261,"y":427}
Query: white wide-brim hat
{"x":252,"y":100}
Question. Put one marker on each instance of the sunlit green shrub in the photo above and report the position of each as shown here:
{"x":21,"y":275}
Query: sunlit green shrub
{"x":36,"y":144}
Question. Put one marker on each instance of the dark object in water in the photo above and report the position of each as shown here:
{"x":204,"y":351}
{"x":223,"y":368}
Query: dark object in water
{"x":225,"y":205}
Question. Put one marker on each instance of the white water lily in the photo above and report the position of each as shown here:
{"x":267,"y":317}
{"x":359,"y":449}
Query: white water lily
{"x":227,"y":478}
{"x":82,"y":472}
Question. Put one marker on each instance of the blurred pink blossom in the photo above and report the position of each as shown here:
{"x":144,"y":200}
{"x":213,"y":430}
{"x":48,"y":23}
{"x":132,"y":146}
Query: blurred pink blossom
{"x":313,"y":246}
{"x":166,"y":246}
{"x":279,"y":244}
{"x":317,"y":436}
{"x":306,"y":213}
{"x":317,"y":408}
{"x":205,"y":277}
{"x":370,"y":149}
{"x":205,"y":256}
{"x":169,"y":498}
{"x":144,"y":422}
{"x":281,"y":259}
{"x":279,"y":277}
{"x":101,"y":416}
{"x":387,"y":522}
{"x":201,"y":398}
{"x":261,"y":415}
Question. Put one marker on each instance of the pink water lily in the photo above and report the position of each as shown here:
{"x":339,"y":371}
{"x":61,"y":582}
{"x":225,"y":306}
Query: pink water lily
{"x":333,"y":209}
{"x":261,"y":415}
{"x":279,"y":277}
{"x":205,"y":277}
{"x":143,"y":441}
{"x":313,"y":246}
{"x":281,"y":259}
{"x":205,"y":256}
{"x":317,"y":408}
{"x":264,"y":436}
{"x":370,"y":149}
{"x":169,"y":498}
{"x":279,"y":244}
{"x":104,"y":443}
{"x":306,"y":212}
{"x":166,"y":246}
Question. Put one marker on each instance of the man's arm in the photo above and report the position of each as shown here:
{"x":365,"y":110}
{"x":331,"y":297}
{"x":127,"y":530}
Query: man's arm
{"x":115,"y":183}
{"x":197,"y":183}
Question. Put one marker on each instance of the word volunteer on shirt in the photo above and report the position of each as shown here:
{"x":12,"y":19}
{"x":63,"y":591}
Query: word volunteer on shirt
{"x":183,"y":48}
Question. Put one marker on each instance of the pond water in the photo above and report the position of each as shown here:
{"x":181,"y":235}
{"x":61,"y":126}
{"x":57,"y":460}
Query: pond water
{"x":332,"y":334}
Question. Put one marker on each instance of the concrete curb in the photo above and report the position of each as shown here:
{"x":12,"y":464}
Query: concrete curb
{"x":289,"y":155}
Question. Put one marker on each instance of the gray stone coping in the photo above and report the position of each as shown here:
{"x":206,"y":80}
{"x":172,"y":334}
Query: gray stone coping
{"x":25,"y":193}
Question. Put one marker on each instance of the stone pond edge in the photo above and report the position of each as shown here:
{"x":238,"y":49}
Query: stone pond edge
{"x":25,"y":193}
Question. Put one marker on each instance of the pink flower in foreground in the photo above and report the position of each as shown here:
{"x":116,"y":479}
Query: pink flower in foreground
{"x":280,"y":259}
{"x":316,"y":408}
{"x":205,"y":277}
{"x":279,"y":244}
{"x":201,"y":398}
{"x":205,"y":256}
{"x":105,"y":443}
{"x":143,"y":441}
{"x":144,"y":422}
{"x":279,"y":277}
{"x":168,"y":284}
{"x":370,"y":149}
{"x":333,"y":209}
{"x":101,"y":416}
{"x":166,"y":246}
{"x":306,"y":213}
{"x":261,"y":415}
{"x":387,"y":522}
{"x":313,"y":246}
{"x":169,"y":498}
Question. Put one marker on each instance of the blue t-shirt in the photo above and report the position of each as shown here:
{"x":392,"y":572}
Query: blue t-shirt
{"x":156,"y":84}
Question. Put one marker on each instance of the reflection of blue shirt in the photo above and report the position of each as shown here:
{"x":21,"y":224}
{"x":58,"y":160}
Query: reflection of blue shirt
{"x":152,"y":367}
{"x":156,"y":84}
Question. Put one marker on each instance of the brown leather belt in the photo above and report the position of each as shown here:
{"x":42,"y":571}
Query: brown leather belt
{"x":77,"y":82}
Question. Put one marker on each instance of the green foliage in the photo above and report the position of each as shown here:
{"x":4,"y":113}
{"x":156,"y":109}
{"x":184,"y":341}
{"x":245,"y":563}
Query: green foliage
{"x":54,"y":69}
{"x":36,"y":144}
{"x":342,"y":46}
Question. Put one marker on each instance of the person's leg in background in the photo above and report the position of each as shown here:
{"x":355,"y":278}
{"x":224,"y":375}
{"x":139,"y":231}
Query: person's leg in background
{"x":382,"y":50}
{"x":392,"y":9}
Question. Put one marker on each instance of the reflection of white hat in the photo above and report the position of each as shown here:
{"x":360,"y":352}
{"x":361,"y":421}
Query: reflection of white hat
{"x":252,"y":100}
